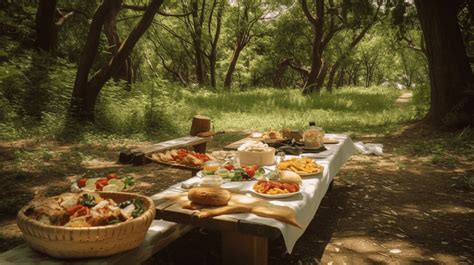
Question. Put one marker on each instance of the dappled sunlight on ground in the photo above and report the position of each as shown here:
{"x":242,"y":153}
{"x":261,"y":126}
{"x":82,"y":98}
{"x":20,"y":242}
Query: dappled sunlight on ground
{"x":399,"y":208}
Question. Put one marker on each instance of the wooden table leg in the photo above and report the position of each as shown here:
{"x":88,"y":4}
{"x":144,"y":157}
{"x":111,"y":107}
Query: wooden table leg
{"x":246,"y":249}
{"x":194,"y":172}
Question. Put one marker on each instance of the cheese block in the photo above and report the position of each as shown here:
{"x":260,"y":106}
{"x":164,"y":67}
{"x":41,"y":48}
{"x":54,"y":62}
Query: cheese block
{"x":263,"y":157}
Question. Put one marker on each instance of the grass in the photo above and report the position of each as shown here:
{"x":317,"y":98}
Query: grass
{"x":35,"y":93}
{"x":351,"y":109}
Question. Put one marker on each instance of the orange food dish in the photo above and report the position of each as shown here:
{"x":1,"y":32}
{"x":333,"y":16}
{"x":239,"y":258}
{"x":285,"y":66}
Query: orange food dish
{"x":273,"y":187}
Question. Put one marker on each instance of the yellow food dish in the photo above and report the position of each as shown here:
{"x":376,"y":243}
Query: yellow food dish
{"x":300,"y":165}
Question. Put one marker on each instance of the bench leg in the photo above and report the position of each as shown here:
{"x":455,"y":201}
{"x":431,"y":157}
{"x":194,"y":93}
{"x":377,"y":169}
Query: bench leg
{"x":240,"y":248}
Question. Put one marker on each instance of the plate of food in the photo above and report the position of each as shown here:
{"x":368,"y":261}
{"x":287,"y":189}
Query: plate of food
{"x":304,"y":166}
{"x":230,"y":173}
{"x":111,"y":182}
{"x":275,"y":189}
{"x":181,"y":158}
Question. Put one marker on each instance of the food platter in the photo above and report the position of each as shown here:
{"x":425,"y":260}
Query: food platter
{"x":303,"y":166}
{"x":174,"y":165}
{"x":180,"y":158}
{"x":312,"y":173}
{"x":276,"y":196}
{"x":274,"y":189}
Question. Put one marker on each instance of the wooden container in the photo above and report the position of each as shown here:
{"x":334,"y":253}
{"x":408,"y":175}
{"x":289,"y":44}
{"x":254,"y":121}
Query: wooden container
{"x":262,"y":158}
{"x":83,"y":242}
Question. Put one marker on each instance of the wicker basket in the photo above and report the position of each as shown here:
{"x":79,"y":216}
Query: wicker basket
{"x":82,"y":242}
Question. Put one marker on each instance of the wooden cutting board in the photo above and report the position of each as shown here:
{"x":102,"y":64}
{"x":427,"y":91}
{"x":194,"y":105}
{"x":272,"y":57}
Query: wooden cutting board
{"x":240,"y":204}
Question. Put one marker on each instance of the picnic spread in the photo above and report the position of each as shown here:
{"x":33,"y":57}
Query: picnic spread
{"x":266,"y":185}
{"x":304,"y":203}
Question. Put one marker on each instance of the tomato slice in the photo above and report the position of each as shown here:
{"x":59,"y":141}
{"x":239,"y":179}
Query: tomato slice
{"x":74,"y":209}
{"x":112,"y":176}
{"x":82,"y":182}
{"x":250,"y":171}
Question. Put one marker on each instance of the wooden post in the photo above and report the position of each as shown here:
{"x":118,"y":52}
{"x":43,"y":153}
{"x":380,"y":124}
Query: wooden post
{"x":238,"y":248}
{"x":200,"y":124}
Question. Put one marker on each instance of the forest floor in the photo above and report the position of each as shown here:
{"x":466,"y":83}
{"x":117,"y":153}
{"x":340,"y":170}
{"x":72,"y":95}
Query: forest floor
{"x":411,"y":205}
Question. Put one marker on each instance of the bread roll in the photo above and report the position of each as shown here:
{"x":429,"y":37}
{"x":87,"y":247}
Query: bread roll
{"x":209,"y":196}
{"x":290,"y":177}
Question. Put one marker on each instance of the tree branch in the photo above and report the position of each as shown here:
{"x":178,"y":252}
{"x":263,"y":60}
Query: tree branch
{"x":307,"y":13}
{"x":63,"y":19}
{"x":143,"y":8}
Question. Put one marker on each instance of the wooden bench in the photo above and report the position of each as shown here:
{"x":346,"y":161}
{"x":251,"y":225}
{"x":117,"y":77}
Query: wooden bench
{"x":160,"y":234}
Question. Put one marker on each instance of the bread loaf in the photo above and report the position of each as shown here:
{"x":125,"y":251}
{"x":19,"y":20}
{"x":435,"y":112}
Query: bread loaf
{"x":290,"y":177}
{"x":209,"y":196}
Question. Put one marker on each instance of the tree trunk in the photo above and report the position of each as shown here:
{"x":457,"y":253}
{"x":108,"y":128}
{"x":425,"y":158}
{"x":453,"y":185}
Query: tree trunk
{"x":316,"y":52}
{"x":110,"y":29}
{"x":215,"y":40}
{"x":451,"y":77}
{"x":316,"y":62}
{"x":322,"y":75}
{"x":332,"y":74}
{"x":232,"y":65}
{"x":199,"y":62}
{"x":85,"y":91}
{"x":196,"y":35}
{"x":280,"y":72}
{"x":212,"y":68}
{"x":341,"y":79}
{"x":46,"y":29}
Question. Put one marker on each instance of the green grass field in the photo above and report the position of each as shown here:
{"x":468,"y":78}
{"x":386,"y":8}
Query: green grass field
{"x":159,"y":112}
{"x":35,"y":93}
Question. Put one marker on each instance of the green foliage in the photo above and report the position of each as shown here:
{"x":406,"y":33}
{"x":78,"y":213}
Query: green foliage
{"x":465,"y":183}
{"x":446,"y":150}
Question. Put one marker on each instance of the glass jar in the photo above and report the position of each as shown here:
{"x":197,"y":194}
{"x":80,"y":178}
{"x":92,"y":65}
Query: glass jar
{"x":313,"y":137}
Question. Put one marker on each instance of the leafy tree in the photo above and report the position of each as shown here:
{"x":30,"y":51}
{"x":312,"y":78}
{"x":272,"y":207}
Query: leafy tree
{"x":87,"y":89}
{"x":451,"y":78}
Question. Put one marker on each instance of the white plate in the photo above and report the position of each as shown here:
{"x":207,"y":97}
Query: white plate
{"x":310,"y":174}
{"x":275,"y":196}
{"x":232,"y":186}
{"x":199,"y":174}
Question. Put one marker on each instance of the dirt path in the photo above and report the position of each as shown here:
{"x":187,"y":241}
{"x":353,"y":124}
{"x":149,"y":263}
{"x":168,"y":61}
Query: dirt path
{"x":404,"y":99}
{"x":399,"y":208}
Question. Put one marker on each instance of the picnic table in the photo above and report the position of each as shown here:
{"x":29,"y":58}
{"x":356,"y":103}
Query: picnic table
{"x":245,"y":236}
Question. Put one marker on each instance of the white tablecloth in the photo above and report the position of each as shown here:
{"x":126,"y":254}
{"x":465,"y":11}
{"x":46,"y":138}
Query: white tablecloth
{"x":307,"y":202}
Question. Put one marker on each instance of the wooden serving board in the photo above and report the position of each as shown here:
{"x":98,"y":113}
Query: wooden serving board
{"x":237,"y":204}
{"x":174,"y":165}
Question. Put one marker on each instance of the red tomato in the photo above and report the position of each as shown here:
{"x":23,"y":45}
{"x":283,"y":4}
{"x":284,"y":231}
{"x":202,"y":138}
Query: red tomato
{"x":74,"y":209}
{"x":250,"y":171}
{"x":229,"y":167}
{"x":83,"y":211}
{"x":101,"y":183}
{"x":290,"y":187}
{"x":82,"y":182}
{"x":255,"y":167}
{"x":112,"y":176}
